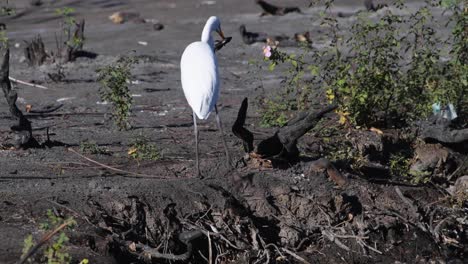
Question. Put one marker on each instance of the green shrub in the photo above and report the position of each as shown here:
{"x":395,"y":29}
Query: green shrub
{"x":390,"y":75}
{"x":142,"y":149}
{"x":56,"y":250}
{"x":114,"y":81}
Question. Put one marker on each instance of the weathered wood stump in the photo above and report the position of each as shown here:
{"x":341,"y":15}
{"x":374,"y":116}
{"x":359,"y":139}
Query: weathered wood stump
{"x":23,"y":130}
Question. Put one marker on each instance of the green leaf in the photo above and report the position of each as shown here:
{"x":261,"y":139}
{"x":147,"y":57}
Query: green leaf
{"x":272,"y":66}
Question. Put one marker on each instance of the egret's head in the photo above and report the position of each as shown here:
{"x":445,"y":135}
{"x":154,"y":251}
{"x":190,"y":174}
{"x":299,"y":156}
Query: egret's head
{"x":215,"y":25}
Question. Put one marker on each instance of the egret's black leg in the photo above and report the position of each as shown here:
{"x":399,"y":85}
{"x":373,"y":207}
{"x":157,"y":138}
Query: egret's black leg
{"x":220,"y":127}
{"x":197,"y":164}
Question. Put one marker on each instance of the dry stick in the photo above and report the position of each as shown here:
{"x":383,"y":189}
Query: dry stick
{"x":44,"y":240}
{"x":112,"y":168}
{"x":210,"y":253}
{"x":27,"y":84}
{"x":296,"y":256}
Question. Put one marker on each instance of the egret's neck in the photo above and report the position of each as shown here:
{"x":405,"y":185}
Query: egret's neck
{"x":206,"y":35}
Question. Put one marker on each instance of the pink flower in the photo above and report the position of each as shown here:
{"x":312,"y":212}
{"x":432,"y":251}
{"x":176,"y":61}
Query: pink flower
{"x":267,"y":51}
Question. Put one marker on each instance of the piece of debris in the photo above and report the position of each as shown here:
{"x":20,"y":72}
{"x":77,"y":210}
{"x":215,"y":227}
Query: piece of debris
{"x":432,"y":159}
{"x":303,"y":37}
{"x":158,"y":26}
{"x":269,"y":9}
{"x":143,"y":43}
{"x":122,"y":17}
{"x":461,"y":184}
{"x":65,"y":99}
{"x":324,"y":165}
{"x":447,"y":112}
{"x":208,"y":2}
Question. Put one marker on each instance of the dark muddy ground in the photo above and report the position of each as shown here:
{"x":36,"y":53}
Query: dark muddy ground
{"x":253,"y":213}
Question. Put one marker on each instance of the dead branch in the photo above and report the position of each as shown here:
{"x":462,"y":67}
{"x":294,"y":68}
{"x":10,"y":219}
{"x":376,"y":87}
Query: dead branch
{"x":43,"y":240}
{"x":301,"y":259}
{"x":149,"y":253}
{"x":23,"y":130}
{"x":284,"y":143}
{"x":114,"y":169}
{"x":27,"y":84}
{"x":239,"y":130}
{"x":269,"y":9}
{"x":332,"y":237}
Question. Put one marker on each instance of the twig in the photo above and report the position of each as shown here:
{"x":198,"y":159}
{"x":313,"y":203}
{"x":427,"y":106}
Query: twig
{"x":112,"y":168}
{"x":44,"y":240}
{"x":331,"y":236}
{"x":296,"y":256}
{"x":27,"y":84}
{"x":210,"y":253}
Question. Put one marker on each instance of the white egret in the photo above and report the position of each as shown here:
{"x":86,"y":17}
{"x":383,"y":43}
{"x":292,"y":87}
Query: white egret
{"x":200,"y":79}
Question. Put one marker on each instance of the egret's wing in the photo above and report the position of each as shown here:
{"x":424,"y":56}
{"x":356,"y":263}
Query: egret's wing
{"x":200,"y":80}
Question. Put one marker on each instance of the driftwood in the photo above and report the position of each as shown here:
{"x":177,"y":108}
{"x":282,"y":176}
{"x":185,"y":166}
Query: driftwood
{"x":35,"y":52}
{"x":269,"y":9}
{"x":283,"y":144}
{"x":23,"y":129}
{"x":439,"y":129}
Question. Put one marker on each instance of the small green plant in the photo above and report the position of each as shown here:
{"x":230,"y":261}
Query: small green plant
{"x":141,"y":149}
{"x":273,"y":113}
{"x":114,"y":81}
{"x":92,"y":147}
{"x":7,"y":11}
{"x":399,"y":165}
{"x":3,"y":39}
{"x":70,"y":29}
{"x":56,"y":251}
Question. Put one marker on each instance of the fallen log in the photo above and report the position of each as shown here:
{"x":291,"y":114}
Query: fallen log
{"x":283,"y":144}
{"x":439,"y":129}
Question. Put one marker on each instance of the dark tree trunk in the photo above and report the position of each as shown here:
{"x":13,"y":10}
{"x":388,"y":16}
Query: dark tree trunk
{"x":35,"y":52}
{"x":23,"y":131}
{"x":74,"y":44}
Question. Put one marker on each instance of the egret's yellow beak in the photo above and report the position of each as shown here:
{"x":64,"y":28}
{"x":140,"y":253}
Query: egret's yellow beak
{"x":221,"y":34}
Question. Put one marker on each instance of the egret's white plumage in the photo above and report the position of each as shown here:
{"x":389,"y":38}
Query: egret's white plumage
{"x":199,"y":71}
{"x":200,"y":79}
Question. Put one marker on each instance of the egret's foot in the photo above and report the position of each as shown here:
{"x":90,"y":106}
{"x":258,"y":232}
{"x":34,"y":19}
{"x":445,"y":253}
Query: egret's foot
{"x":198,"y":174}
